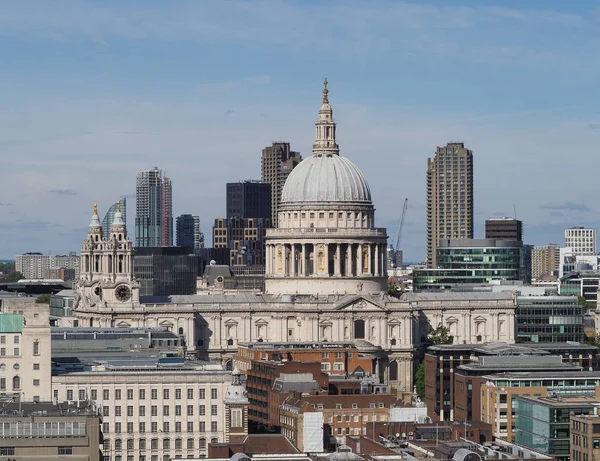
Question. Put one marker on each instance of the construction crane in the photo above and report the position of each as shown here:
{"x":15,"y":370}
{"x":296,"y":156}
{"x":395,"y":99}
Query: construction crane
{"x":399,"y":237}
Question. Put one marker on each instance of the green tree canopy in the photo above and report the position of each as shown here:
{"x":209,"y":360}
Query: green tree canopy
{"x":43,"y":299}
{"x":12,"y":276}
{"x":440,"y":335}
{"x":420,"y":381}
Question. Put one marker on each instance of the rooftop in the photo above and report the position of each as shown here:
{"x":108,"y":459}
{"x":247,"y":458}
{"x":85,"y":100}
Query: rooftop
{"x":503,"y":348}
{"x":457,"y":296}
{"x":562,"y":401}
{"x":540,"y":375}
{"x":11,"y":408}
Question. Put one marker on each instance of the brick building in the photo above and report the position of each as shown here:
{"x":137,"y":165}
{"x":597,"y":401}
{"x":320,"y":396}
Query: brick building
{"x":585,"y":437}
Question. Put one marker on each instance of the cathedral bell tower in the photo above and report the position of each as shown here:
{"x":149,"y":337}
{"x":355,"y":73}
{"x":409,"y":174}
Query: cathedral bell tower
{"x":106,"y":280}
{"x":236,"y":408}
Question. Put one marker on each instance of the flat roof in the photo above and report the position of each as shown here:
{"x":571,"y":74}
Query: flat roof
{"x":562,"y":401}
{"x":563,"y":374}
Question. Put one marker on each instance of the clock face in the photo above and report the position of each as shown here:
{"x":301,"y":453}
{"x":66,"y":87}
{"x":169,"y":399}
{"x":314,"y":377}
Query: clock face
{"x":123,"y":293}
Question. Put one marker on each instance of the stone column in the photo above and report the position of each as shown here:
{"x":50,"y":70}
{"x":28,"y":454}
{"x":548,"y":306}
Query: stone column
{"x":303,"y":266}
{"x":377,"y":260}
{"x":285,"y":263}
{"x":294,"y":261}
{"x":267,"y":259}
{"x":369,"y":263}
{"x":338,"y":262}
{"x":359,"y":261}
{"x":315,"y":259}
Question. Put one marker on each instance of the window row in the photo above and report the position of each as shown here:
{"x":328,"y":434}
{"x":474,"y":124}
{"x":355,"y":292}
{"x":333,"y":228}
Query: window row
{"x":156,"y":444}
{"x":129,"y":394}
{"x":166,"y":410}
{"x":153,"y":427}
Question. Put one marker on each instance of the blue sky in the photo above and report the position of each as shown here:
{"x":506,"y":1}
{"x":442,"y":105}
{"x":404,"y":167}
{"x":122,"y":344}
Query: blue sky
{"x":92,"y":91}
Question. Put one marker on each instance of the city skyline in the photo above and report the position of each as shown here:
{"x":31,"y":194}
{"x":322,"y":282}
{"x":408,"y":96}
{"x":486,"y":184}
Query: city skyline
{"x":520,"y":101}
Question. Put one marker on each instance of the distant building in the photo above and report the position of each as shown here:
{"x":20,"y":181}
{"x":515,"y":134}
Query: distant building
{"x":549,"y":319}
{"x":545,"y":260}
{"x":154,"y":209}
{"x":188,"y":231}
{"x":581,"y":240}
{"x":249,"y":199}
{"x":277,"y":161}
{"x":109,"y":217}
{"x":449,"y":197}
{"x":504,"y":229}
{"x":570,"y":261}
{"x":40,"y":266}
{"x":581,"y":283}
{"x":167,"y":271}
{"x":50,"y":431}
{"x":25,"y":350}
{"x":467,"y":261}
{"x":244,"y":237}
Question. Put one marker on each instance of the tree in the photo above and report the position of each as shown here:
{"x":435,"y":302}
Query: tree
{"x":12,"y":276}
{"x":43,"y":299}
{"x":585,"y":303}
{"x":420,"y":381}
{"x":440,"y":335}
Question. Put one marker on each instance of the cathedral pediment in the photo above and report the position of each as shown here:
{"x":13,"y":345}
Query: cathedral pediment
{"x":358,"y":303}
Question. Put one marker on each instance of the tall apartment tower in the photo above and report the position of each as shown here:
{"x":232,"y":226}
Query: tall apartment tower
{"x":504,"y":229}
{"x":545,"y":260}
{"x":154,"y":209}
{"x":581,"y":240}
{"x":277,"y":162}
{"x":109,"y":217}
{"x":167,"y":216}
{"x":449,"y":196}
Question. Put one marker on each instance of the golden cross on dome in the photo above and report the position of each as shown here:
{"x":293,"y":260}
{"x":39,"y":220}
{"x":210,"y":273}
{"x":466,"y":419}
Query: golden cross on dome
{"x":119,"y":206}
{"x":325,"y":92}
{"x":95,"y":208}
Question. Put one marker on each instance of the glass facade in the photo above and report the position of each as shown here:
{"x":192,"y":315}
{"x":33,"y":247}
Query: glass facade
{"x":542,"y":426}
{"x":109,"y":217}
{"x":549,"y":319}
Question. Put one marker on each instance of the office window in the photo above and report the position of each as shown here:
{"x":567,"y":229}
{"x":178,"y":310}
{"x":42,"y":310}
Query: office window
{"x":142,"y":410}
{"x":190,"y":410}
{"x":3,"y":339}
{"x":202,"y":410}
{"x":130,"y":428}
{"x":213,"y":393}
{"x":129,"y":394}
{"x":202,"y":443}
{"x":69,"y":394}
{"x":142,"y":427}
{"x":190,"y":395}
{"x":154,"y":410}
{"x":65,"y":450}
{"x":16,"y":339}
{"x":165,"y":410}
{"x":166,"y":444}
{"x":117,"y":428}
{"x":213,"y":410}
{"x":154,"y":444}
{"x":36,"y":382}
{"x":190,"y":426}
{"x":166,"y":394}
{"x":36,"y":347}
{"x":105,"y":411}
{"x":190,"y":444}
{"x":177,"y":410}
{"x":130,"y":444}
{"x":130,"y":410}
{"x":154,"y":394}
{"x":154,"y":427}
{"x":142,"y":444}
{"x":177,"y":426}
{"x":117,"y":411}
{"x":3,"y":384}
{"x":201,"y":394}
{"x":166,"y":426}
{"x":105,"y":394}
{"x":178,"y":394}
{"x":213,"y":426}
{"x":142,"y":394}
{"x":201,"y":426}
{"x":178,"y":444}
{"x":94,"y":391}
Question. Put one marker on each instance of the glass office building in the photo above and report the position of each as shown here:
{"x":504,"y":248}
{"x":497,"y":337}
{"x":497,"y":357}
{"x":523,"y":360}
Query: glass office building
{"x":549,"y":319}
{"x":542,"y":423}
{"x":475,"y":261}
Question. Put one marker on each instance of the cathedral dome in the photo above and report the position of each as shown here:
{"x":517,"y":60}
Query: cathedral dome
{"x":326,"y":177}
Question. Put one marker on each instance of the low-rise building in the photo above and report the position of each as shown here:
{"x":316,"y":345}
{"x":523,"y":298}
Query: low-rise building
{"x":549,"y":319}
{"x":543,"y":422}
{"x":585,"y":437}
{"x":25,"y":367}
{"x":49,"y":431}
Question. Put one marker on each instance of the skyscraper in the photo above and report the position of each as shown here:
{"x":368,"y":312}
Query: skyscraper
{"x":109,"y":217}
{"x":277,"y":162}
{"x":449,"y":196}
{"x":581,"y":240}
{"x":153,"y":213}
{"x":167,"y":216}
{"x":545,"y":260}
{"x":188,"y":231}
{"x":248,"y":199}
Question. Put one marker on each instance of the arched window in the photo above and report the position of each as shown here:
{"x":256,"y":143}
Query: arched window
{"x":181,"y":330}
{"x":202,"y":444}
{"x":359,"y":329}
{"x":230,"y":342}
{"x":16,"y":382}
{"x":393,"y":371}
